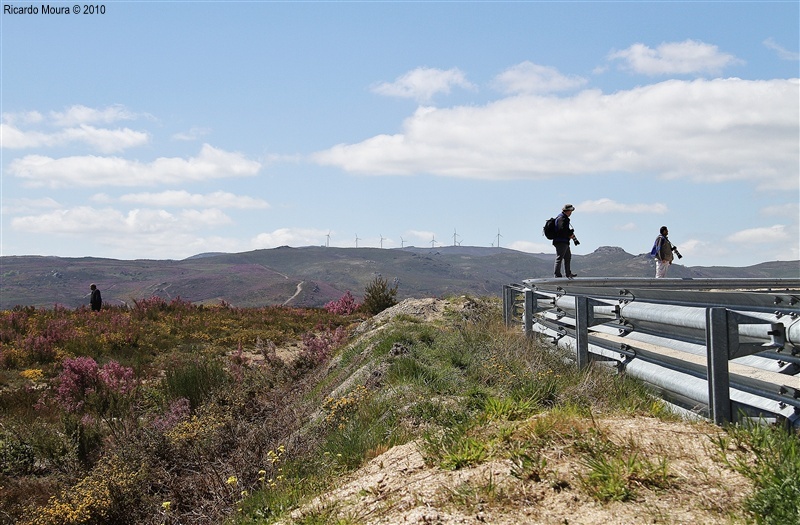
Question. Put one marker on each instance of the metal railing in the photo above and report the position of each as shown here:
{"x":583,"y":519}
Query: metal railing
{"x":722,"y":348}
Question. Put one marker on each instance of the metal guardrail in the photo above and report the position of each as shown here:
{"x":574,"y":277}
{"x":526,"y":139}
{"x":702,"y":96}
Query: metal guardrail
{"x":722,"y":348}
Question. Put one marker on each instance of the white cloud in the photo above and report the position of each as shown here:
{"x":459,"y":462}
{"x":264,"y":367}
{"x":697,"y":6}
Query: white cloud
{"x":528,"y":78}
{"x":191,"y":135}
{"x":418,"y":238}
{"x":74,"y":126}
{"x":137,"y":233}
{"x":111,"y":222}
{"x":23,"y":118}
{"x":211,"y":163}
{"x":78,"y":115}
{"x":184,"y":199}
{"x":705,"y":130}
{"x":776,"y":233}
{"x":606,"y":205}
{"x":674,"y":58}
{"x":27,"y":205}
{"x":531,"y":247}
{"x":289,"y":237}
{"x":627,"y":227}
{"x":103,"y":140}
{"x":790,"y":210}
{"x":782,"y":52}
{"x":423,"y":83}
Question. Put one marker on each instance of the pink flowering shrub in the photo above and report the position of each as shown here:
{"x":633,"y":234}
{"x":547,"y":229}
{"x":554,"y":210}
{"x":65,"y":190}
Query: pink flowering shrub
{"x":77,"y":381}
{"x":85,"y":387}
{"x":318,"y":347}
{"x":345,"y":305}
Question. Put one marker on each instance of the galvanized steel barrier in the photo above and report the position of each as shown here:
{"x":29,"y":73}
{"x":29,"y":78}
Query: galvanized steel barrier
{"x":721,"y":348}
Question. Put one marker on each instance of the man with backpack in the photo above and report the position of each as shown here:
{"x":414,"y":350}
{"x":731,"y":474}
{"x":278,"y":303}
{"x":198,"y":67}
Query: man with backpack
{"x":662,"y":251}
{"x":561,"y":236}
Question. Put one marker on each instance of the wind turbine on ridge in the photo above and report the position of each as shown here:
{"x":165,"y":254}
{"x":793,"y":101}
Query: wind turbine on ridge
{"x":382,"y":239}
{"x":357,"y":239}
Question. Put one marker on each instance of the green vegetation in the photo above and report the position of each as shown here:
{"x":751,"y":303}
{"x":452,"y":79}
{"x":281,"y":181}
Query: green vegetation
{"x":173,"y":413}
{"x":378,"y":296}
{"x":770,"y":457}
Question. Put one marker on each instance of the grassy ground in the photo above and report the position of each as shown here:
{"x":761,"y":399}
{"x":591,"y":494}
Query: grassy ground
{"x":173,"y":413}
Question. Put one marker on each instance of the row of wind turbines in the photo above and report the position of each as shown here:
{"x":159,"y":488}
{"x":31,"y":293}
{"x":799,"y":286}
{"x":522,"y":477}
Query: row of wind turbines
{"x":433,"y":241}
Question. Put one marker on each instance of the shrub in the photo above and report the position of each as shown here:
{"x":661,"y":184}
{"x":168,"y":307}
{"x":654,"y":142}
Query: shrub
{"x":195,"y":380}
{"x":346,"y":305}
{"x":378,"y":296}
{"x":16,"y":457}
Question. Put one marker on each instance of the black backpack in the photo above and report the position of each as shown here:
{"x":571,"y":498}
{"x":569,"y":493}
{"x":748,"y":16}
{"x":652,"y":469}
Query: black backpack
{"x":549,"y":229}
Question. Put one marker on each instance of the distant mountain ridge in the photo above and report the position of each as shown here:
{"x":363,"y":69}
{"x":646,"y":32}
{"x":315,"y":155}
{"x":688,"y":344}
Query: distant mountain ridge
{"x":315,"y":275}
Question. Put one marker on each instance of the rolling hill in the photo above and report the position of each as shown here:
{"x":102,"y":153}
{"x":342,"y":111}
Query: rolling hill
{"x":313,"y":276}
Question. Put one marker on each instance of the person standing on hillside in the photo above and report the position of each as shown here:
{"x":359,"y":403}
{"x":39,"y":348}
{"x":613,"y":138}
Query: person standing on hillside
{"x":564,"y":234}
{"x":662,"y":249}
{"x":95,"y":299}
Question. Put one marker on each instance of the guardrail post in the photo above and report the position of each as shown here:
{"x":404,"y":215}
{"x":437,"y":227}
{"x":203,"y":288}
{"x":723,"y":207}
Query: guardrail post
{"x":530,"y":308}
{"x":582,"y":323}
{"x":718,"y":344}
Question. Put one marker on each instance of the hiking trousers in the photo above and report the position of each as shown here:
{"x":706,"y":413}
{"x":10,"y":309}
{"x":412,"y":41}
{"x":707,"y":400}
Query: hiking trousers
{"x":563,"y":253}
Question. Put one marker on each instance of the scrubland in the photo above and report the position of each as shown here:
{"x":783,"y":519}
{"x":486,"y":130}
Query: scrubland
{"x":431,"y":411}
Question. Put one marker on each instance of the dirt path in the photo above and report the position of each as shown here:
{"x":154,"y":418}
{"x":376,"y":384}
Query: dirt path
{"x":296,"y":293}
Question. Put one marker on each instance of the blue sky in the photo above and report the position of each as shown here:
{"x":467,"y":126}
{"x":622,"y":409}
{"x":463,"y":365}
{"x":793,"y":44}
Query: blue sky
{"x":160,"y":130}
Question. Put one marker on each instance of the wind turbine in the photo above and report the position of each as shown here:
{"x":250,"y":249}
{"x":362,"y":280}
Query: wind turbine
{"x":402,"y":243}
{"x":498,"y":237}
{"x":455,"y":238}
{"x":328,"y":239}
{"x":382,"y":239}
{"x":357,"y":239}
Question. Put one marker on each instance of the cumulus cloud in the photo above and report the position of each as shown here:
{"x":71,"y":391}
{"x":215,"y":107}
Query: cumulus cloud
{"x":782,"y":52}
{"x":103,"y":140}
{"x":79,"y":115}
{"x":211,"y":163}
{"x":423,"y":83}
{"x":288,"y":237}
{"x":674,"y":58}
{"x":76,"y":124}
{"x":606,"y":205}
{"x":28,"y":205}
{"x":704,"y":130}
{"x":529,"y":78}
{"x":135,"y":233}
{"x":776,"y":233}
{"x":111,"y":222}
{"x":184,"y":199}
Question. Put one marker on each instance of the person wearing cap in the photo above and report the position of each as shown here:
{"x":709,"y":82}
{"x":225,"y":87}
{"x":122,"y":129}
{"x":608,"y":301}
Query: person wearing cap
{"x":564,"y":234}
{"x":95,"y":300}
{"x":663,"y":253}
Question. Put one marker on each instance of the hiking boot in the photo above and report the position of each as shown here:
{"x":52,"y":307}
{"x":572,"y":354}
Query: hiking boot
{"x":571,"y":275}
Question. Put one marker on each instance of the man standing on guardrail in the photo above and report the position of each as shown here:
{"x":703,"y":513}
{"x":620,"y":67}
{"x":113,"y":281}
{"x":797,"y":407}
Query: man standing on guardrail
{"x":662,"y":251}
{"x":561,"y":240}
